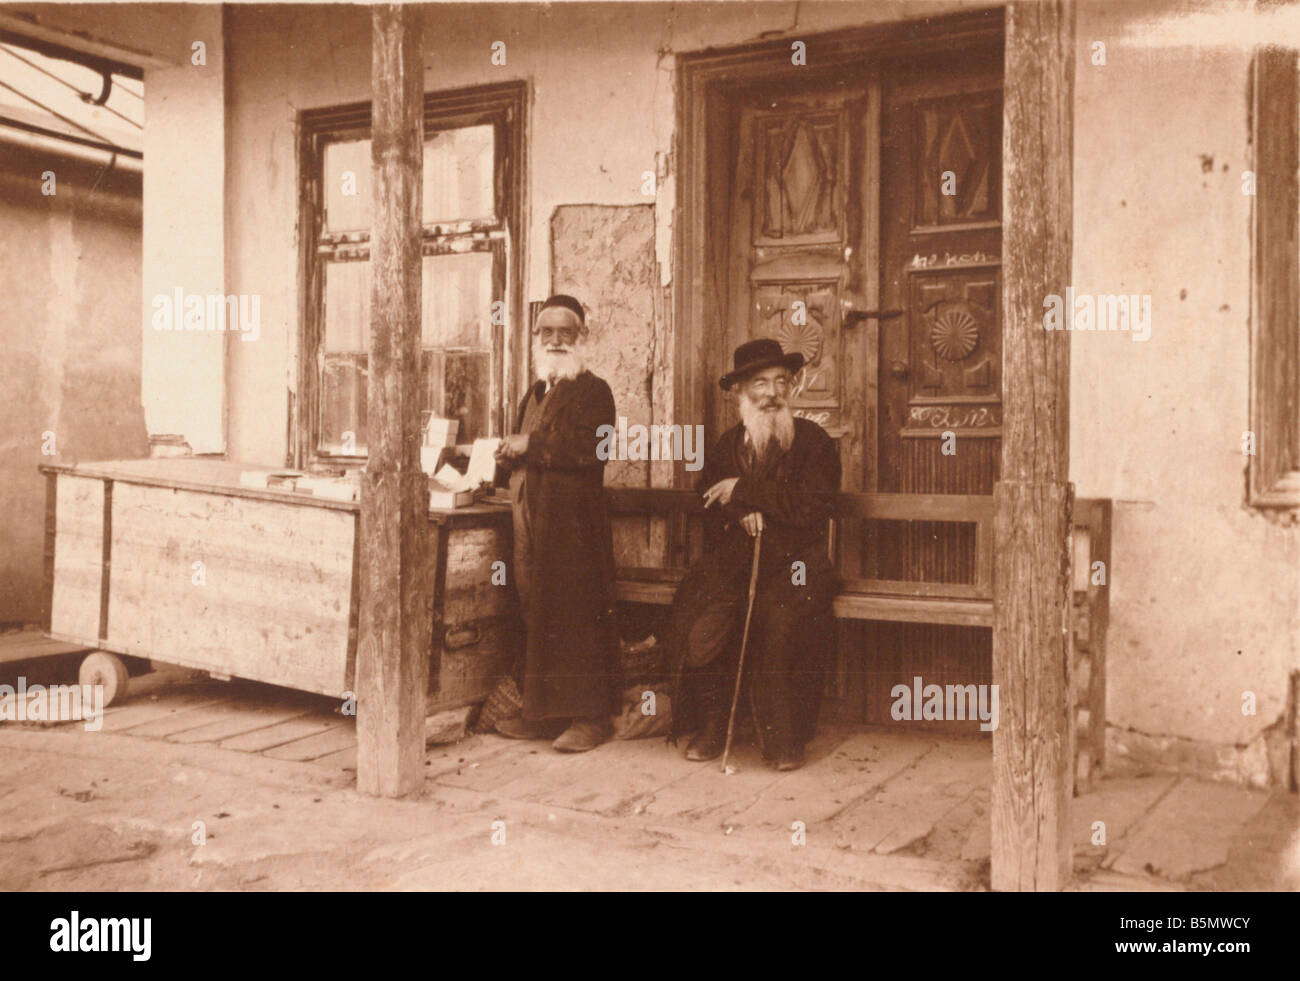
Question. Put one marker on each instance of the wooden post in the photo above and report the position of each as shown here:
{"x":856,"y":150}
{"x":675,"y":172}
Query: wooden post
{"x":396,"y":586}
{"x":1031,"y":847}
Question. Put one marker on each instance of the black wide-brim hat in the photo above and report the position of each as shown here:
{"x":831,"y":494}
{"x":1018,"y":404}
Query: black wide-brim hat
{"x":756,"y":355}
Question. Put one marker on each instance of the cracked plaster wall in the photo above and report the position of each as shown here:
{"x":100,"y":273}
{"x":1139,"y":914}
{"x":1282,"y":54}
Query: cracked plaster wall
{"x":1204,"y":591}
{"x":70,"y":275}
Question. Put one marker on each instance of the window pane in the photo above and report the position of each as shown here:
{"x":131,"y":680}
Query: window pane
{"x":457,"y":300}
{"x":460,"y":387}
{"x":458,"y":174}
{"x":459,"y":170}
{"x":347,"y":307}
{"x":343,"y":375}
{"x":343,"y":405}
{"x":347,"y":186}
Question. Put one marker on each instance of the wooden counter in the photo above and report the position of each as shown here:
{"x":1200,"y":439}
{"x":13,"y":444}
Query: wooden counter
{"x":175,"y":561}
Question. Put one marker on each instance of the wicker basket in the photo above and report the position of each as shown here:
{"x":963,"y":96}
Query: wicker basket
{"x":505,"y":702}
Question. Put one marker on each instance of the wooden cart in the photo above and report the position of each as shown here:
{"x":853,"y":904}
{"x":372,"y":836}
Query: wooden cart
{"x":175,"y":561}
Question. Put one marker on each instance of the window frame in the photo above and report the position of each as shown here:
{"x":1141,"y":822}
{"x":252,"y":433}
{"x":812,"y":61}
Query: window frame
{"x":1273,"y":470}
{"x":501,"y":105}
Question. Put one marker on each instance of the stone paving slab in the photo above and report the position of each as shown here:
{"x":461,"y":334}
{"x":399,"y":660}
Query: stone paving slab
{"x":1118,"y":804}
{"x":855,"y":766}
{"x":978,"y":845}
{"x":515,"y":767}
{"x":621,"y":778}
{"x":1265,"y":853}
{"x":906,"y":809}
{"x":1189,"y":830}
{"x":64,"y":846}
{"x":475,"y":748}
{"x":709,"y":798}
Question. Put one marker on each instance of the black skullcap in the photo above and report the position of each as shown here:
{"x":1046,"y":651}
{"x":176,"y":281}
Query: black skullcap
{"x":569,"y":303}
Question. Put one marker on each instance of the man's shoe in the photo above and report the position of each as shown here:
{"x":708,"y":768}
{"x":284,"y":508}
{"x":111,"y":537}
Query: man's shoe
{"x":520,"y":728}
{"x":789,"y":759}
{"x":583,"y":735}
{"x":709,"y":742}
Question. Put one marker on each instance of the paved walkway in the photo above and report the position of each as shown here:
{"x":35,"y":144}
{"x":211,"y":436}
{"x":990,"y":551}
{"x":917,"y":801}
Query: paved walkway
{"x":264,"y":777}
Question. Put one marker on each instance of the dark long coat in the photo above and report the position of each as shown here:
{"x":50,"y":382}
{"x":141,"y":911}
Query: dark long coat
{"x":570,"y":665}
{"x":795,"y":491}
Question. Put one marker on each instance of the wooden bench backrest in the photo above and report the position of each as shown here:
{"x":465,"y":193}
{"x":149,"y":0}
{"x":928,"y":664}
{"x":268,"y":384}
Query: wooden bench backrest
{"x":676,"y":507}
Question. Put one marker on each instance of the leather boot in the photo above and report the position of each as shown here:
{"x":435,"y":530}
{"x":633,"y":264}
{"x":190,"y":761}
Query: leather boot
{"x":709,"y":742}
{"x":583,"y":735}
{"x":789,"y":758}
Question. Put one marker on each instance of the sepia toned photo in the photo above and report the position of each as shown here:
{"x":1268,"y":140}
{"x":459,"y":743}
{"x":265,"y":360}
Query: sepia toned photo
{"x":823,"y":446}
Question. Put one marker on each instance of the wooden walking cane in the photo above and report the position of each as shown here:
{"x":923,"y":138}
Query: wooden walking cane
{"x":744,"y":642}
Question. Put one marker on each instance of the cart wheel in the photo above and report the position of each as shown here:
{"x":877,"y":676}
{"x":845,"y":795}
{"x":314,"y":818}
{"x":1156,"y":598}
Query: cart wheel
{"x":103,"y":668}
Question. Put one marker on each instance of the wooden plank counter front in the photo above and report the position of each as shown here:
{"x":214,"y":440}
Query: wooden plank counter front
{"x":175,"y":561}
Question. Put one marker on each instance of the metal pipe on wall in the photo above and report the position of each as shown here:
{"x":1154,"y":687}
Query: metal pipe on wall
{"x":25,"y":138}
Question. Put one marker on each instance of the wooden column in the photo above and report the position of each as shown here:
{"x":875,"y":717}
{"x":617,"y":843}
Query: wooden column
{"x":396,"y":597}
{"x":1033,"y":501}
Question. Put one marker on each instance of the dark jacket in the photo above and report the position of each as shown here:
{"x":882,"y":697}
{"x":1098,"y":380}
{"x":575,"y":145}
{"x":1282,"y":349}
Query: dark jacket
{"x":795,"y":493}
{"x":571,"y":659}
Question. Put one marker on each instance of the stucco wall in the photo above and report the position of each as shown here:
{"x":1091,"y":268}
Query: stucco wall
{"x":602,"y":114}
{"x":184,"y":234}
{"x":70,"y":277}
{"x":1205,"y":592}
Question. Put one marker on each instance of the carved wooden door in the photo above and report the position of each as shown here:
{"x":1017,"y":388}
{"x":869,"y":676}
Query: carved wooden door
{"x":940,"y":361}
{"x":802,"y":258}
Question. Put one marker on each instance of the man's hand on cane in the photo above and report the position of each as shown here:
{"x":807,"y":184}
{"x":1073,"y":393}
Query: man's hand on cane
{"x":720,"y":493}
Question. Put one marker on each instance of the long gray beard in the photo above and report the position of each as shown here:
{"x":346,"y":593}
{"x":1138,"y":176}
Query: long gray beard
{"x":557,"y":367}
{"x":763,"y":427}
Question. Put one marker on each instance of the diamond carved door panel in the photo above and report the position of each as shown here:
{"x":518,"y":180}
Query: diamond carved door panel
{"x":961,"y":136}
{"x":800,"y":172}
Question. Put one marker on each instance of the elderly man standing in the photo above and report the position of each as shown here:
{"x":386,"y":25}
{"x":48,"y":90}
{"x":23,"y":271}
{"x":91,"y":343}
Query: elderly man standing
{"x":564,"y":553}
{"x":780,"y":475}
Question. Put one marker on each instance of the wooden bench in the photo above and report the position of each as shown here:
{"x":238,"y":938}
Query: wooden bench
{"x":678,"y":533}
{"x":967,"y":604}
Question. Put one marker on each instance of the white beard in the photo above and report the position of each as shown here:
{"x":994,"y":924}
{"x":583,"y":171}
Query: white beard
{"x":764,"y":427}
{"x":553,"y":367}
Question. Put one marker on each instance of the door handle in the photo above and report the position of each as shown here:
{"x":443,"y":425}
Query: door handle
{"x":898,"y":369}
{"x":853,"y":308}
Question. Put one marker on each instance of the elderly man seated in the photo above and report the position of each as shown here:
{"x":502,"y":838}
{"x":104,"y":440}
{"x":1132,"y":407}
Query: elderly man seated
{"x":777,"y":475}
